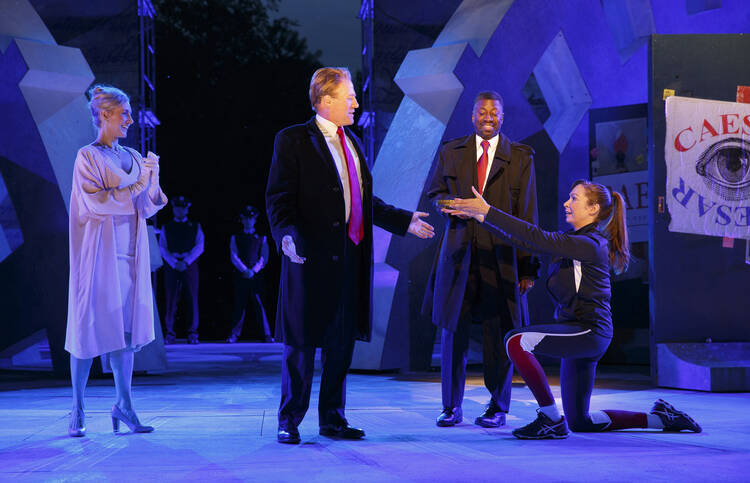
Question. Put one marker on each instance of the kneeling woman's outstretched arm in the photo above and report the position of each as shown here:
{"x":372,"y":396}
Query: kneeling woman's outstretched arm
{"x":524,"y":235}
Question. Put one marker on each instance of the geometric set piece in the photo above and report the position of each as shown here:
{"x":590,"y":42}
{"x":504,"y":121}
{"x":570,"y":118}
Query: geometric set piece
{"x":403,"y":164}
{"x":426,"y":77}
{"x":19,"y":20}
{"x":563,"y":90}
{"x":29,"y":354}
{"x":535,"y":98}
{"x":404,"y":161}
{"x":698,"y":6}
{"x":378,"y":353}
{"x":56,"y":75}
{"x":715,"y":367}
{"x":631,"y":23}
{"x":474,"y":22}
{"x":52,"y":80}
{"x":10,"y":231}
{"x":430,"y":83}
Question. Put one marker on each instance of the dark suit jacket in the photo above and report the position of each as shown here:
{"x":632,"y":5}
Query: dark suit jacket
{"x":304,"y":199}
{"x":511,"y":186}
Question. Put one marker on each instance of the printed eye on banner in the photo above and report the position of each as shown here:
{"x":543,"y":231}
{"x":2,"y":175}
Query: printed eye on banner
{"x":725,"y":167}
{"x":707,"y":153}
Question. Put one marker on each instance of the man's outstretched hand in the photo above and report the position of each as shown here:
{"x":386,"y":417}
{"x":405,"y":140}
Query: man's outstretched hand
{"x":420,"y":228}
{"x":290,"y":249}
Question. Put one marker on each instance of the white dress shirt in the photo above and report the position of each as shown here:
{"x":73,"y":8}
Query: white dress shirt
{"x":339,"y":158}
{"x":490,"y":154}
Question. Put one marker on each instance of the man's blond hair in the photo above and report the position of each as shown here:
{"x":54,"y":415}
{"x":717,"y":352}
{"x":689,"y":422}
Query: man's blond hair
{"x":324,"y":81}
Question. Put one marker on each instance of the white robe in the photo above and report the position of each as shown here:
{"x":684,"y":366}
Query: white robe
{"x":96,"y":311}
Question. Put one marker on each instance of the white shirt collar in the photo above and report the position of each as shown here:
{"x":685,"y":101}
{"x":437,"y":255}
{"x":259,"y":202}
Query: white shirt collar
{"x":326,"y":126}
{"x":493,"y":143}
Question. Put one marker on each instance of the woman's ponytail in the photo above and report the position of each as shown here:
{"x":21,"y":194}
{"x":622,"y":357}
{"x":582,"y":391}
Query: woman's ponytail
{"x":617,"y":232}
{"x":612,"y":209}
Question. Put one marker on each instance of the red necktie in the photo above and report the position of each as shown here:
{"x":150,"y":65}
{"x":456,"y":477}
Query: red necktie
{"x":482,"y":167}
{"x":356,"y":229}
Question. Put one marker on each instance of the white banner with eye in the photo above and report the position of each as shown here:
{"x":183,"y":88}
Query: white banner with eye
{"x":707,"y":151}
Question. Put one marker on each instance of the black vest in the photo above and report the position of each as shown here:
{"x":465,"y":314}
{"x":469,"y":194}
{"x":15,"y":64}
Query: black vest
{"x":249,"y":248}
{"x":181,"y":235}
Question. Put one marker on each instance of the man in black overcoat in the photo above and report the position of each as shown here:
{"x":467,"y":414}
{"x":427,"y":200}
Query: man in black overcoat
{"x":321,"y":210}
{"x":476,"y":277}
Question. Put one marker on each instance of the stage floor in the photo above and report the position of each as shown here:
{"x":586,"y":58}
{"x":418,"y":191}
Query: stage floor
{"x":215,"y":416}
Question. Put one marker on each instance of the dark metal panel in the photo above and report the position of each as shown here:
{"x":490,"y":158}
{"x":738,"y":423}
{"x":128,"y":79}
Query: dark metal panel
{"x":698,"y":289}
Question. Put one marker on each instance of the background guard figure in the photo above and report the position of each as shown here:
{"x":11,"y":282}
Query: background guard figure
{"x":249,"y":254}
{"x":181,"y":243}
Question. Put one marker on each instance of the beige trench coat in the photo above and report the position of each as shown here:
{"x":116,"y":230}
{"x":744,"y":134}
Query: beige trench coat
{"x":95,"y":305}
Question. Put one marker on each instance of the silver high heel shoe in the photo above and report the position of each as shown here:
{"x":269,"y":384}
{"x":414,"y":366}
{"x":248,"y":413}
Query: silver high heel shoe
{"x":77,"y":427}
{"x":134,"y":425}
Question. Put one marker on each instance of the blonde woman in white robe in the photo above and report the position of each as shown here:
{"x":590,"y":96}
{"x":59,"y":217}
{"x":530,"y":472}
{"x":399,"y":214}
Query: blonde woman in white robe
{"x":110,"y":309}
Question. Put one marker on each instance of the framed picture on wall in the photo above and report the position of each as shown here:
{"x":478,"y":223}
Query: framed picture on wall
{"x":618,"y":140}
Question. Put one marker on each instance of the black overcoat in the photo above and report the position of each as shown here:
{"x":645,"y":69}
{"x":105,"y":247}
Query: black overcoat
{"x":304,"y":199}
{"x":511,"y":187}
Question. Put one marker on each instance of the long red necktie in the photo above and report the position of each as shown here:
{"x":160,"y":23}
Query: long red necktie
{"x":356,"y":229}
{"x":482,"y":166}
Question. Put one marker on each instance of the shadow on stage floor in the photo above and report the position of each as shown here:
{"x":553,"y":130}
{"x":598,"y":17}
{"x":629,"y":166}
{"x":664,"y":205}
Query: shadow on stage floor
{"x":214,"y":410}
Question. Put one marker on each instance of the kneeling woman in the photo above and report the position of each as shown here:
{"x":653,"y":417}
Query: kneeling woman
{"x":579,"y":283}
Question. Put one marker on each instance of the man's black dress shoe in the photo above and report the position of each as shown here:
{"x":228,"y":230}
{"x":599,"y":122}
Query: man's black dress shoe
{"x":450,"y":417}
{"x":343,"y":431}
{"x":288,"y":435}
{"x":492,"y":417}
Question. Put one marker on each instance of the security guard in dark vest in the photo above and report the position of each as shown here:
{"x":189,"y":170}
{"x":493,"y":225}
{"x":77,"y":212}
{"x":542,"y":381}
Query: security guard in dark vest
{"x":181,"y":243}
{"x":249,"y":254}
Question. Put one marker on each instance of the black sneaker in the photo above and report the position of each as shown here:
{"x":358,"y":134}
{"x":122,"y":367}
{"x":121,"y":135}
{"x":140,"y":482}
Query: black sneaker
{"x":543,"y":428}
{"x":673,"y":419}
